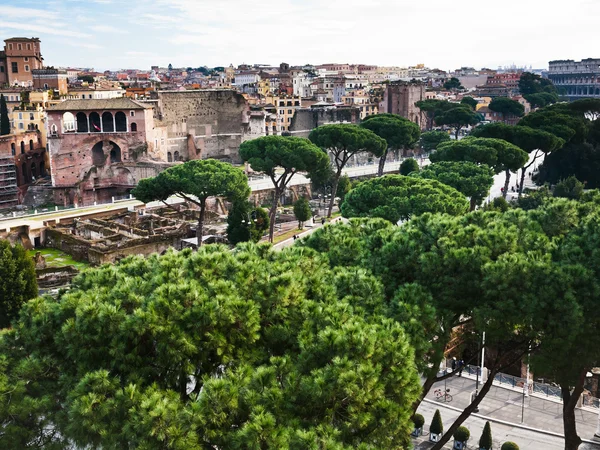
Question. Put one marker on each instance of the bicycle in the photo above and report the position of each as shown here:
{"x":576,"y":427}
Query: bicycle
{"x":441,"y":395}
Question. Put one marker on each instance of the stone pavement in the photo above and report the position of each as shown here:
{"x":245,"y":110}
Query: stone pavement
{"x":505,"y":405}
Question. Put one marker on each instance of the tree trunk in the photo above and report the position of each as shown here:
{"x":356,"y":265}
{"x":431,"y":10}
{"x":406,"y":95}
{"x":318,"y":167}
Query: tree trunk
{"x":336,"y":181}
{"x":506,"y":183}
{"x":523,"y":172}
{"x":473,"y":203}
{"x":456,"y":133}
{"x":570,"y":399}
{"x":273,"y":213}
{"x":200,"y":228}
{"x":382,"y":163}
{"x":466,"y":413}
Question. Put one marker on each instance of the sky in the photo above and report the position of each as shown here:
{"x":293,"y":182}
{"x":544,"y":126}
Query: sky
{"x":444,"y":34}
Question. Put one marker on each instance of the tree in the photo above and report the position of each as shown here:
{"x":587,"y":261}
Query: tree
{"x":195,"y":181}
{"x":453,"y":84}
{"x":398,"y":132}
{"x":531,"y":140}
{"x":472,"y":180}
{"x":458,"y":118}
{"x":434,"y":108}
{"x":531,"y":83}
{"x":291,"y":154}
{"x":541,"y":99}
{"x":17,"y":281}
{"x":408,"y":166}
{"x":343,"y":142}
{"x":246,"y":223}
{"x":507,"y":107}
{"x":587,"y":107}
{"x":485,"y":442}
{"x":86,"y":78}
{"x":213,"y":349}
{"x":579,"y":160}
{"x":398,"y":198}
{"x":4,"y":120}
{"x":431,"y":139}
{"x":344,"y":186}
{"x":570,"y":188}
{"x":470,"y":102}
{"x":437,"y":426}
{"x":302,"y":211}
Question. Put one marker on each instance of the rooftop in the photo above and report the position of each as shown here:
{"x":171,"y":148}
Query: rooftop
{"x":98,"y":104}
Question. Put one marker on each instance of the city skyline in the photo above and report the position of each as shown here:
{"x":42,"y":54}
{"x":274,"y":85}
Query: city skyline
{"x":107,"y":35}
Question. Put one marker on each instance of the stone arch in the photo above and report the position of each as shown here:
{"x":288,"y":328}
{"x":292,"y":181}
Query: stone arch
{"x":121,"y":121}
{"x":30,"y":144}
{"x":169,"y":157}
{"x":33,"y":171}
{"x":133,"y":127}
{"x":115,"y":154}
{"x":68,"y":122}
{"x":176,"y":156}
{"x":42,"y":169}
{"x":82,"y":123}
{"x":108,"y":126}
{"x":124,"y":177}
{"x":22,"y":147}
{"x":95,"y":124}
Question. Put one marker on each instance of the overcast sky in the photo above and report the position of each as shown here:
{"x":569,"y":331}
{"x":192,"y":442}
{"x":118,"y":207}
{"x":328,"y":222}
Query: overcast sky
{"x":445,"y":34}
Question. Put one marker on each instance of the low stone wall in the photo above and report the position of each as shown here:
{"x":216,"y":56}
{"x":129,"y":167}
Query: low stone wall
{"x":52,"y":277}
{"x":73,"y":245}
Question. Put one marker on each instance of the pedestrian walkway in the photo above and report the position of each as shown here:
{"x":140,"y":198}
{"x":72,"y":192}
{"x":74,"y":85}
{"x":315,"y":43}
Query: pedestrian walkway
{"x":511,"y":408}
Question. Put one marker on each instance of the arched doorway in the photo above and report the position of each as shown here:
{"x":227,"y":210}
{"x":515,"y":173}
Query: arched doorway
{"x":121,"y":121}
{"x":82,"y":123}
{"x":30,"y":144}
{"x":108,"y":125}
{"x":22,"y":147}
{"x":98,"y":157}
{"x":68,"y":122}
{"x":169,"y":157}
{"x":133,"y":127}
{"x":115,"y":155}
{"x":176,"y":156}
{"x":95,"y":125}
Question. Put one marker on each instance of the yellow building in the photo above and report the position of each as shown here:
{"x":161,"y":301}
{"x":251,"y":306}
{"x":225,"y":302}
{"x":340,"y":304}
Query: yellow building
{"x":286,"y":108}
{"x":31,"y":116}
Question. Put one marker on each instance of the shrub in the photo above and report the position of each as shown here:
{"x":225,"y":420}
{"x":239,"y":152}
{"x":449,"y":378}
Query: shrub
{"x":570,"y":188}
{"x":408,"y":166}
{"x":509,"y":446}
{"x":462,"y":434}
{"x":302,"y":211}
{"x":486,"y":437}
{"x":437,"y":427}
{"x":418,"y":420}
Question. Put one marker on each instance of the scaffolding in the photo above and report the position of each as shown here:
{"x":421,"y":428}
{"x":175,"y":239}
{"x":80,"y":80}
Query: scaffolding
{"x":8,"y":182}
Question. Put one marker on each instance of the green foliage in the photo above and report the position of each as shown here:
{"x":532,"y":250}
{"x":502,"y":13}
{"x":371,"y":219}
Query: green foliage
{"x":559,"y":120}
{"x":86,"y":78}
{"x":244,"y":349}
{"x":431,"y":139}
{"x":470,"y":102}
{"x":418,"y":420}
{"x":246,"y":223}
{"x":570,"y":188}
{"x":509,"y":446}
{"x":458,"y":118}
{"x":472,"y":180}
{"x":498,"y":204}
{"x":408,"y":166}
{"x":531,"y":83}
{"x":302,"y":210}
{"x":398,"y":198}
{"x":436,"y":427}
{"x":4,"y":120}
{"x":462,"y":434}
{"x":541,"y":99}
{"x":586,"y":107}
{"x":344,"y":186}
{"x":397,"y":131}
{"x":507,"y":107}
{"x":453,"y":84}
{"x":434,"y":108}
{"x":17,"y":281}
{"x":534,"y":199}
{"x":579,"y":160}
{"x":485,"y":441}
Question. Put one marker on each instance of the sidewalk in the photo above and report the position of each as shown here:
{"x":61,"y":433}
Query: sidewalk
{"x":317,"y":224}
{"x":505,"y":405}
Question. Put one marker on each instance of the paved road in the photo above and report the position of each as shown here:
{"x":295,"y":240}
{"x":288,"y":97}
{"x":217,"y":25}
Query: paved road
{"x":506,"y":405}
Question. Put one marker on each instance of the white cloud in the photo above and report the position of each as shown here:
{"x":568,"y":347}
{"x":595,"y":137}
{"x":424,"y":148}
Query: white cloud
{"x":107,"y":29}
{"x":53,"y":28}
{"x":14,"y":12}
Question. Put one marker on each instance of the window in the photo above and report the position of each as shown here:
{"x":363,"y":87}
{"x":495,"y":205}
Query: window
{"x":20,"y":116}
{"x":10,"y":46}
{"x":28,"y":48}
{"x":22,"y":147}
{"x":1,"y":69}
{"x":132,"y":113}
{"x":13,"y":150}
{"x":26,"y":68}
{"x":20,"y":47}
{"x":26,"y":59}
{"x":21,"y":126}
{"x":31,"y":117}
{"x":15,"y":67}
{"x":289,"y":111}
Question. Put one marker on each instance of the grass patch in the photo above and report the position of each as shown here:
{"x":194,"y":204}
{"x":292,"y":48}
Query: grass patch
{"x":285,"y":236}
{"x":58,"y":258}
